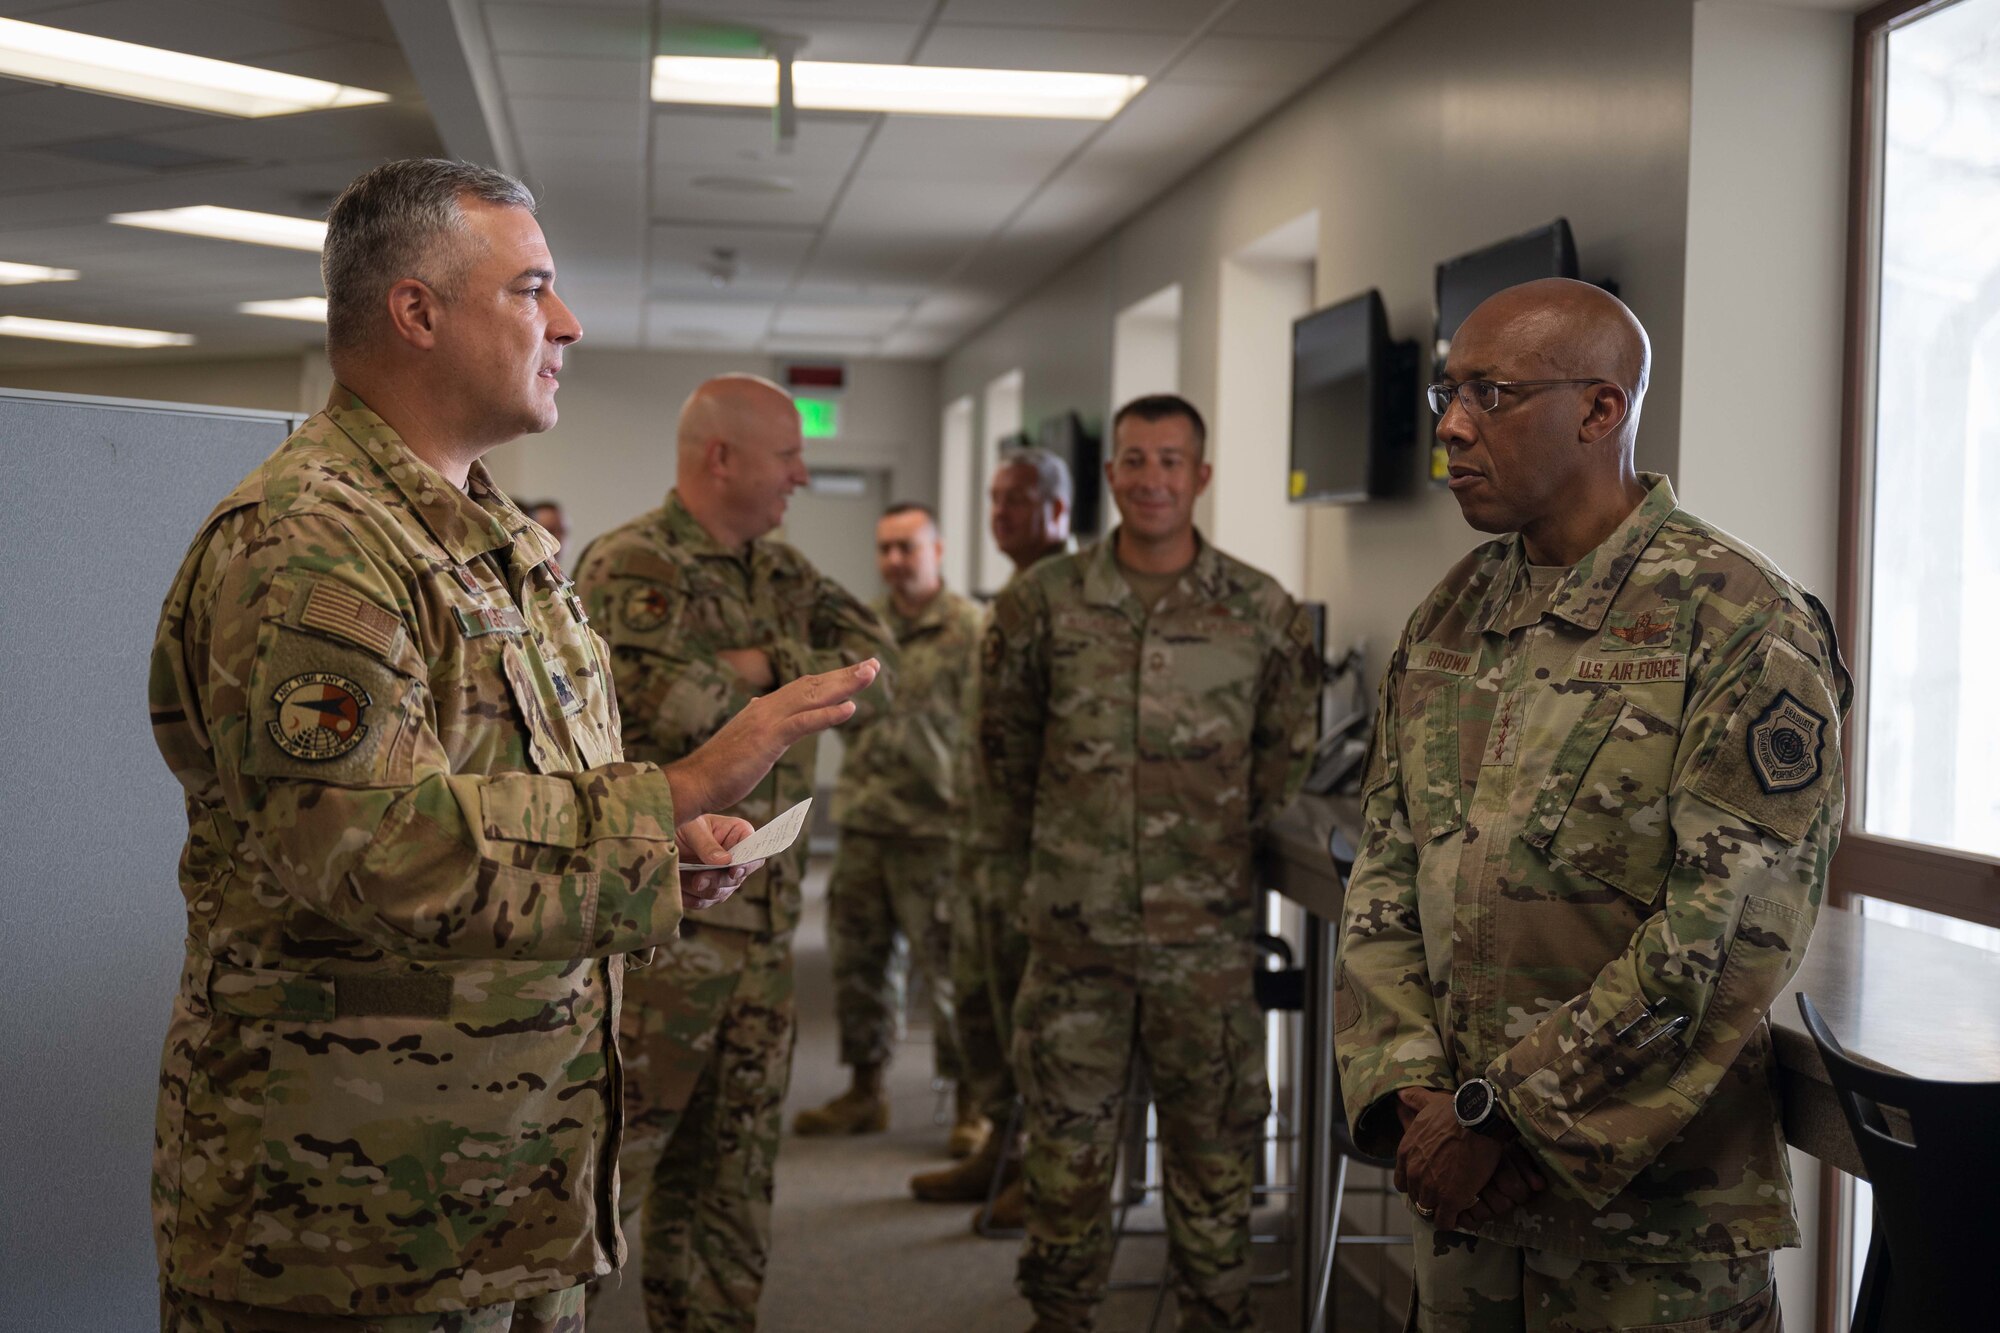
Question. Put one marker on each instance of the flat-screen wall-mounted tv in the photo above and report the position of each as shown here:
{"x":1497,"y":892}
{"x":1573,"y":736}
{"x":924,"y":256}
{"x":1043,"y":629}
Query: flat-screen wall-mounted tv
{"x":1353,"y":404}
{"x":1070,"y":438}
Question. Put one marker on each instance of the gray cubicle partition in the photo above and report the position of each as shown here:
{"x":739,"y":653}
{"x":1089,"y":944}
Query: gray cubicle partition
{"x":98,"y":500}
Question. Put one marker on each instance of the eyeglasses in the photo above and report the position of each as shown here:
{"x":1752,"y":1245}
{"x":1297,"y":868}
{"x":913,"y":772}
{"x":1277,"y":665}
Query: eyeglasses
{"x":1484,"y":395}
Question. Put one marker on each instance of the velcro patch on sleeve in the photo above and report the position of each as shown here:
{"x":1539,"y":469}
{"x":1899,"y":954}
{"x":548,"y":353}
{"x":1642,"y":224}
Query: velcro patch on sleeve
{"x":339,"y":611}
{"x":1779,"y":759}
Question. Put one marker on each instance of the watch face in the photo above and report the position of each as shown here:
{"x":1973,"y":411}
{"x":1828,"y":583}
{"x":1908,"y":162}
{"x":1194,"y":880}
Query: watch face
{"x":1473,"y":1101}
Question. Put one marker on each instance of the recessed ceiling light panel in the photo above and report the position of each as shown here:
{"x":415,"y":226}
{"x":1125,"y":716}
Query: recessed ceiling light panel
{"x":311,"y":309}
{"x":926,"y":90}
{"x":104,"y":335}
{"x":14,"y":274}
{"x":231,"y":224}
{"x":165,"y":78}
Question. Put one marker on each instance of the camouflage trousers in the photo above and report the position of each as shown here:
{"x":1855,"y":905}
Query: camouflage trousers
{"x":557,"y":1312}
{"x":707,"y":1040}
{"x":1083,"y":1016}
{"x":889,"y":899}
{"x":1468,"y":1285}
{"x":989,"y":956}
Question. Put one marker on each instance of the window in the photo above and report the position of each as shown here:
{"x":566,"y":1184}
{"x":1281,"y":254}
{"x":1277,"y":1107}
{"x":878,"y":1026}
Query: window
{"x":1922,"y":572}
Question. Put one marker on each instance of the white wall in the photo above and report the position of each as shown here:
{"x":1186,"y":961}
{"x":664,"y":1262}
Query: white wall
{"x":1452,"y":129}
{"x":1764,"y":373}
{"x":1265,"y":287}
{"x":1766,"y":251}
{"x":275,"y":383}
{"x":1145,"y":350}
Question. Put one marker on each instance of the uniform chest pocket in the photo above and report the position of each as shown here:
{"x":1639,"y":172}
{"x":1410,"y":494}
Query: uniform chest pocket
{"x":1433,"y":785}
{"x":1602,"y":809}
{"x":546,"y":730}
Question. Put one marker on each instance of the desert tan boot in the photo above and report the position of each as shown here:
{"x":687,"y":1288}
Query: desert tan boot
{"x":862,"y":1109}
{"x":968,"y":1181}
{"x":1010,"y":1210}
{"x":970,"y":1131}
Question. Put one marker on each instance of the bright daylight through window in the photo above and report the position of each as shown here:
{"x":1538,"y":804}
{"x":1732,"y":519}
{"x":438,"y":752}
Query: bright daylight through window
{"x":1933,"y":591}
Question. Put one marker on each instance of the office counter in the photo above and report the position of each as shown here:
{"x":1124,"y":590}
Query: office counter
{"x":1894,"y":997}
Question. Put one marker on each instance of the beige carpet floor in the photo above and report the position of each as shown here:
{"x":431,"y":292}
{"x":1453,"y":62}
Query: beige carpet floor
{"x":852,"y":1253}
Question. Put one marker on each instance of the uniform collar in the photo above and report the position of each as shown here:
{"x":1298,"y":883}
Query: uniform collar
{"x":931,"y":617}
{"x":1104,"y":583}
{"x":468,"y":523}
{"x":1586,"y":592}
{"x":685,"y":532}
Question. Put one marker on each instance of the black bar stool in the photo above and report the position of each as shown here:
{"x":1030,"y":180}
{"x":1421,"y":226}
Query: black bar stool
{"x":1935,"y":1169}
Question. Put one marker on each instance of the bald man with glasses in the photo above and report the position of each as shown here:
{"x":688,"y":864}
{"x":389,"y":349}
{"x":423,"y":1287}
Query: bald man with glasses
{"x":1605,"y":792}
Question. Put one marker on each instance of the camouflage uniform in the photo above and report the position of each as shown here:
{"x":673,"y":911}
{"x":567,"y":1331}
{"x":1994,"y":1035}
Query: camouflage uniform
{"x":414,"y":861}
{"x":1599,"y":818}
{"x":989,"y":953}
{"x":709,"y":1028}
{"x":897,"y":806}
{"x":1133,"y":754}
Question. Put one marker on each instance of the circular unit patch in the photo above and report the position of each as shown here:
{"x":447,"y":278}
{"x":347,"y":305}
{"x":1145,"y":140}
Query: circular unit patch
{"x":321,"y":715}
{"x":645,"y":610}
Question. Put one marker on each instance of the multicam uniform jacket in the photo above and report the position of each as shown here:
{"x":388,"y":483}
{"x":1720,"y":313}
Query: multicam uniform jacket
{"x":903,"y":776}
{"x":670,"y":597}
{"x":414,"y":859}
{"x":1598,"y":824}
{"x":1153,"y":744}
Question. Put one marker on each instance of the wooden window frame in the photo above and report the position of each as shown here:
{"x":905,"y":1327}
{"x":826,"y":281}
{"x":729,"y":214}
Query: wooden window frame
{"x":1958,"y":884}
{"x":1954,"y":884}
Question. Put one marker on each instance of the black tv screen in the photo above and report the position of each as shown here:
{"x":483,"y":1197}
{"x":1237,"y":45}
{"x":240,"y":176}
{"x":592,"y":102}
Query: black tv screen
{"x":1350,"y":418}
{"x":1069,"y":438}
{"x":1462,"y":283}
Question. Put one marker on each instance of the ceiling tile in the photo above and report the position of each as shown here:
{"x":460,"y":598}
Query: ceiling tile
{"x":1090,"y":52}
{"x":573,"y":76}
{"x":923,"y":209}
{"x":1178,"y":16}
{"x":742,"y":141}
{"x":681,"y":319}
{"x":826,"y":38}
{"x":797,"y":13}
{"x":677,"y":198}
{"x":597,"y":31}
{"x":798,"y":319}
{"x":182,"y":25}
{"x":948,"y":148}
{"x":54,"y":115}
{"x":578,"y":119}
{"x":765,"y":259}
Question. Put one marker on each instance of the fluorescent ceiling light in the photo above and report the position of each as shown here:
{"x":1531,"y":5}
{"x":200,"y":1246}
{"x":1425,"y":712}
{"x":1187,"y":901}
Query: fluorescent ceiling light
{"x":926,"y":90}
{"x":231,"y":224}
{"x":311,"y":309}
{"x":15,"y":274}
{"x":108,"y":335}
{"x":168,"y":78}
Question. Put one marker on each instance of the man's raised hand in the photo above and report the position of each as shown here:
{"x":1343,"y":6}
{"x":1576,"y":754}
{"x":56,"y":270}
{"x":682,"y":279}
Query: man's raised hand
{"x":736,"y":758}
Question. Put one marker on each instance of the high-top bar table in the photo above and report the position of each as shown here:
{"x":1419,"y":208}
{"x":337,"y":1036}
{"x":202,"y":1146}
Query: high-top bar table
{"x":1896,"y":998}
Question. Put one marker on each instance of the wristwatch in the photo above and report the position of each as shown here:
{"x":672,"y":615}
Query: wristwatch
{"x":1475,"y":1103}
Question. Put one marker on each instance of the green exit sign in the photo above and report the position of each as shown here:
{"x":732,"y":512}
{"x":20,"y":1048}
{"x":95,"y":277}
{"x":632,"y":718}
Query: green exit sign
{"x":819,"y":418}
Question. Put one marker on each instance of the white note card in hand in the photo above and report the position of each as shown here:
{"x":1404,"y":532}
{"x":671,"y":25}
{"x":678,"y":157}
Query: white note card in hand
{"x":768,"y":841}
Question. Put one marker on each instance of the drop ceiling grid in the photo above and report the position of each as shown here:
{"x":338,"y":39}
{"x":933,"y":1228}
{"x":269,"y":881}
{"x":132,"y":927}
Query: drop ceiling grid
{"x":55,"y":204}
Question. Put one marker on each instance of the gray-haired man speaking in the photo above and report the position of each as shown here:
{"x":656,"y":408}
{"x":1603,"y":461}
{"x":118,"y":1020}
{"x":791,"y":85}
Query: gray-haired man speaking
{"x":415,"y":855}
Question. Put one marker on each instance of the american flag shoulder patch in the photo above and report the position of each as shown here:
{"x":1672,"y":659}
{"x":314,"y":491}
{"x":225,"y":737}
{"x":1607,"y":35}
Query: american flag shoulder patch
{"x":335,"y":610}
